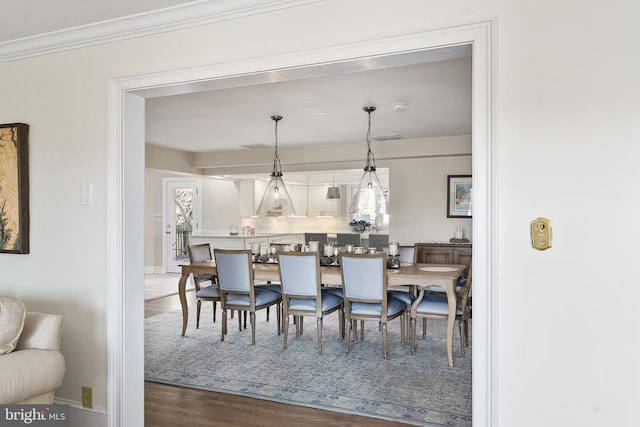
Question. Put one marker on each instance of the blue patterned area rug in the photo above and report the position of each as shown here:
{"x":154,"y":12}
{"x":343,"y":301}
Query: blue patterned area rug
{"x":418,"y":389}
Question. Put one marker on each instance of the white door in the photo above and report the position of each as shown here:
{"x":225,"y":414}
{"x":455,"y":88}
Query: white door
{"x":181,"y":219}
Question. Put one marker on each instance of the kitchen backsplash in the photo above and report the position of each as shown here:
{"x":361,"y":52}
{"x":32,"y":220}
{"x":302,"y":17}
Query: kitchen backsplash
{"x":301,"y":225}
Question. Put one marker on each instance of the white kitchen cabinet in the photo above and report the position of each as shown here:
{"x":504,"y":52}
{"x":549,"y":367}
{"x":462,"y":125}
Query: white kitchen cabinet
{"x":319,"y":205}
{"x":298,"y":195}
{"x":251,"y":192}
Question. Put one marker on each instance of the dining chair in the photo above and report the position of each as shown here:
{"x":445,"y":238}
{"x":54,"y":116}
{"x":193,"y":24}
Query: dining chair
{"x":435,"y":305}
{"x":378,"y":241}
{"x":408,"y":294}
{"x":348,"y":239}
{"x":364,"y":279}
{"x":303,"y":295}
{"x":237,"y":289}
{"x":200,"y":253}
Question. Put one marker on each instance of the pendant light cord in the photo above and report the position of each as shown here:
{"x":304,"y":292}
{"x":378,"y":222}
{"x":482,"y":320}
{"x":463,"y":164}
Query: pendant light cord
{"x":371,"y":161}
{"x":277,"y":168}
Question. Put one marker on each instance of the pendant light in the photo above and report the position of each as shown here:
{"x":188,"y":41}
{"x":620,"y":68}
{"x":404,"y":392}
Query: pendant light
{"x":333,"y":192}
{"x":370,"y":199}
{"x":276,"y":200}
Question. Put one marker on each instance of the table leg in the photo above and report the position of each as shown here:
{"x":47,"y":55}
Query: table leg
{"x":182,"y":284}
{"x":451,"y":320}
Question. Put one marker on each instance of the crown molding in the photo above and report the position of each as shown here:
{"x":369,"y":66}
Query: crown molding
{"x":189,"y":15}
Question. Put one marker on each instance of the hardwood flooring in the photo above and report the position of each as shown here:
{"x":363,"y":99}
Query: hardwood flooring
{"x":171,"y":406}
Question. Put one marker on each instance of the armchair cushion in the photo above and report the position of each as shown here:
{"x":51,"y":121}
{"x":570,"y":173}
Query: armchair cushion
{"x":12,"y":314}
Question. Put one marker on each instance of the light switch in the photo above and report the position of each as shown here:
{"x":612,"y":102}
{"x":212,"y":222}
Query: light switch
{"x":86,"y":194}
{"x":541,"y":234}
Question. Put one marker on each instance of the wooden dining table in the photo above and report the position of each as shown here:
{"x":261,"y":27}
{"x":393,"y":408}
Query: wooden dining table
{"x":422,"y":276}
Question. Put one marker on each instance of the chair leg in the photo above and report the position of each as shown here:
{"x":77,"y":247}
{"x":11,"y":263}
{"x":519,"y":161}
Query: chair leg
{"x":402,"y":332}
{"x":384,"y":339}
{"x":319,"y":325}
{"x":461,"y":337}
{"x":198,"y":314}
{"x":279,"y":318}
{"x":286,"y":330}
{"x":253,"y":327}
{"x":214,"y":311}
{"x":424,"y":328}
{"x":349,"y":327}
{"x":413,"y":335}
{"x":224,"y":323}
{"x":362,"y":330}
{"x":240,"y":320}
{"x":267,"y":314}
{"x":341,"y":326}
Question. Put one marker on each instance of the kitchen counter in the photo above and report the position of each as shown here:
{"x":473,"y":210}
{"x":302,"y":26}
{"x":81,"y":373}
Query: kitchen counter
{"x":244,"y":242}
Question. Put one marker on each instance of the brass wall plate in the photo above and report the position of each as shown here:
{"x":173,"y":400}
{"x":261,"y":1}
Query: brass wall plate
{"x":541,"y":234}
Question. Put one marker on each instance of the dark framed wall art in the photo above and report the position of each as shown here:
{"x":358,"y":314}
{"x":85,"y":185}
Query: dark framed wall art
{"x":459,"y":196}
{"x":14,"y":188}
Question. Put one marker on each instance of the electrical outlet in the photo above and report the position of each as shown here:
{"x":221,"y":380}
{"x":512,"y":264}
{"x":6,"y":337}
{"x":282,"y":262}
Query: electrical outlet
{"x":87,"y":397}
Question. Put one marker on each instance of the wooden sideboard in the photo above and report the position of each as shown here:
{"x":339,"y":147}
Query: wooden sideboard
{"x":444,"y":253}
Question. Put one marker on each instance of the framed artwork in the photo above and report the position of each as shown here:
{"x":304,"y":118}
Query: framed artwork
{"x":459,"y":196}
{"x":14,"y":188}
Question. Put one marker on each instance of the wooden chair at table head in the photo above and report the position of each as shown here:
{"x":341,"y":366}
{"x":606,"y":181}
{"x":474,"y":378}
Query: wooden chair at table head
{"x":200,"y":253}
{"x":435,"y":305}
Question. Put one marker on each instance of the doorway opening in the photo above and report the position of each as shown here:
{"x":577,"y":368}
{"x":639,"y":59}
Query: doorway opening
{"x":126,"y":155}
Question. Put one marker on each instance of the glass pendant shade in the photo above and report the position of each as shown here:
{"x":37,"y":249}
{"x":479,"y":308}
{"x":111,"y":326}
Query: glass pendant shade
{"x":276,"y":200}
{"x":370,"y":199}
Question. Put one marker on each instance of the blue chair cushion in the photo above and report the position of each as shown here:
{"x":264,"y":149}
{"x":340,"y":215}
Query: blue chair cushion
{"x":435,"y":304}
{"x":335,"y":291}
{"x":394,"y":306}
{"x":209,"y":292}
{"x":329,"y":302}
{"x":403,"y":296}
{"x":203,"y":277}
{"x":263,"y":296}
{"x":273,"y":287}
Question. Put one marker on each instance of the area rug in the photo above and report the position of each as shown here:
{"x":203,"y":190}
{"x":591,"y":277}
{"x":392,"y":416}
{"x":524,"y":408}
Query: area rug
{"x":419,"y":389}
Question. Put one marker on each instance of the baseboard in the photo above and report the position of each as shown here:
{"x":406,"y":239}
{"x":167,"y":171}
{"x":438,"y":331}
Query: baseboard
{"x":153,"y":269}
{"x":83,"y":417}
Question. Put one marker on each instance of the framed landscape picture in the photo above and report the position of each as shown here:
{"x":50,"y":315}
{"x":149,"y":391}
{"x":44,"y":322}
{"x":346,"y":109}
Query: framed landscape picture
{"x":14,"y":188}
{"x":459,"y":196}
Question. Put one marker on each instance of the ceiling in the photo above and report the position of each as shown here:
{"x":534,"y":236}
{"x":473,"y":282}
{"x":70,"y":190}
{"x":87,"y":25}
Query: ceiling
{"x":417,"y":94}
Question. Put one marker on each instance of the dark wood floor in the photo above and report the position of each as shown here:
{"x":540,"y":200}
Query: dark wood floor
{"x":171,"y":406}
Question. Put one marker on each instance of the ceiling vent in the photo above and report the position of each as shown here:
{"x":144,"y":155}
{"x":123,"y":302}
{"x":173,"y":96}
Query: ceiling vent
{"x":386,"y":137}
{"x":255,"y":146}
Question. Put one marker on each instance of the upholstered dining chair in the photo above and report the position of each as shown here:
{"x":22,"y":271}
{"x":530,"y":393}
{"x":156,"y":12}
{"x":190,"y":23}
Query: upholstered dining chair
{"x":348,"y":239}
{"x":237,"y":289}
{"x":435,"y":305}
{"x":364,"y":279}
{"x":378,"y":241}
{"x":407,"y":255}
{"x":303,"y":295}
{"x":199,"y":253}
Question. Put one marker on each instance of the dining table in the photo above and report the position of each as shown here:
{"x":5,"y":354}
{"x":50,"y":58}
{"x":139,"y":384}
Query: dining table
{"x":407,"y":276}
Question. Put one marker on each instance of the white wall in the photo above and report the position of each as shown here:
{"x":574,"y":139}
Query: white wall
{"x":566,"y":130}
